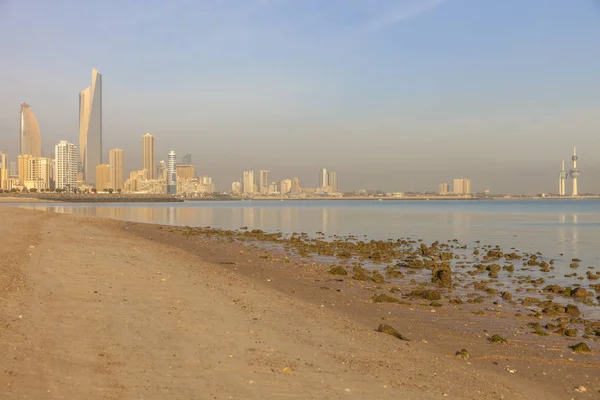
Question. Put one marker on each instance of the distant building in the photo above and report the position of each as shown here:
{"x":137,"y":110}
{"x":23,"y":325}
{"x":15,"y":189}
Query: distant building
{"x":161,"y":170}
{"x":263,"y":182}
{"x":236,"y":188}
{"x":333,"y":181}
{"x":24,"y":164}
{"x":13,"y":171}
{"x":117,"y":169}
{"x":102,"y":177}
{"x":67,"y":161}
{"x":30,"y":141}
{"x":187,"y":159}
{"x":90,"y":127}
{"x":171,"y":175}
{"x":295,"y":187}
{"x":248,"y":182}
{"x":3,"y":161}
{"x":134,"y":183}
{"x":285,"y":186}
{"x":148,"y":155}
{"x":323,"y":178}
{"x":185,"y":171}
{"x":461,"y":186}
{"x":4,"y":179}
{"x":444,"y":189}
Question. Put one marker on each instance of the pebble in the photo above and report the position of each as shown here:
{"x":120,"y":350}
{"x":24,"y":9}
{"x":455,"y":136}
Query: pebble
{"x":580,"y":389}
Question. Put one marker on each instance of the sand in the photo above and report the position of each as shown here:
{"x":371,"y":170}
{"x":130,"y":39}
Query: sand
{"x":101,"y":309}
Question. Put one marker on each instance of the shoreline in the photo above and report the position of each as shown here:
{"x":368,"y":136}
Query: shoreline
{"x":436,"y":333}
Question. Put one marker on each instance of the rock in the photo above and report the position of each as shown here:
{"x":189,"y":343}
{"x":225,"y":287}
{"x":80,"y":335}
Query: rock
{"x":529,"y":301}
{"x":435,"y":304}
{"x":337,"y":270}
{"x":574,"y":265}
{"x":580,"y":348}
{"x":463,"y":353}
{"x":384,"y":328}
{"x":579,"y":292}
{"x":573,"y":310}
{"x":497,"y":339}
{"x":384,"y":298}
{"x":426,"y":294}
{"x":377,"y":277}
{"x":361,"y":274}
{"x":442,"y":275}
{"x":509,"y":268}
{"x":506,"y":296}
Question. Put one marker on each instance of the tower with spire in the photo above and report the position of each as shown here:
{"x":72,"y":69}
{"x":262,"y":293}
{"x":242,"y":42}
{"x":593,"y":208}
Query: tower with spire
{"x":574,"y":172}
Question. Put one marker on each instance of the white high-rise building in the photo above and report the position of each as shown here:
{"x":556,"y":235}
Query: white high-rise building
{"x":90,"y":128}
{"x":461,"y":186}
{"x":171,"y":177}
{"x":67,"y":161}
{"x":323,"y":178}
{"x":248,"y":182}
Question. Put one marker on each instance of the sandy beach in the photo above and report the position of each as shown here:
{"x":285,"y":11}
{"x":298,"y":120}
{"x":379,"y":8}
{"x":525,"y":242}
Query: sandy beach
{"x":103,"y":309}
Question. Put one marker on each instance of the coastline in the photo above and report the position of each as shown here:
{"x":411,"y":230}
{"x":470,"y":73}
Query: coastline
{"x":222,"y":288}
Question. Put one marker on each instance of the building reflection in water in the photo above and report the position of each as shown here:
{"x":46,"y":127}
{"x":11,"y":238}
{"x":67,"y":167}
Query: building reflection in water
{"x":248,"y":214}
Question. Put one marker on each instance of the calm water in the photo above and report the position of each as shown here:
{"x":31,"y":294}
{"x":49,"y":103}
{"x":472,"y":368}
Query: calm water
{"x":552,"y":227}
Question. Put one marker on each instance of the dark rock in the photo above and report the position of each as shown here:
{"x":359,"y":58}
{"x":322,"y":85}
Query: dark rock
{"x":529,"y":301}
{"x":442,"y":275}
{"x":497,"y":339}
{"x":573,"y":310}
{"x":507,"y":296}
{"x":426,"y":294}
{"x":463,"y":353}
{"x":337,"y":270}
{"x":384,"y":298}
{"x":580,"y":348}
{"x":384,"y":328}
{"x":579,"y":292}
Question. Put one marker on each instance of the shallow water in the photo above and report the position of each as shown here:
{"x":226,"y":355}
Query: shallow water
{"x":559,"y":229}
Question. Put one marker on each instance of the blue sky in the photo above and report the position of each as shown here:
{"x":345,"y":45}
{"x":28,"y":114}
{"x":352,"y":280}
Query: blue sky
{"x":394,"y":94}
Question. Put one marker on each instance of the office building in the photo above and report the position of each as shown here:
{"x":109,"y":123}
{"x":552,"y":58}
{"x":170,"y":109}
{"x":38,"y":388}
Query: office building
{"x":263,"y":182}
{"x":148,"y":155}
{"x":187,"y":159}
{"x":102,"y":177}
{"x":4,"y":179}
{"x":461,"y":186}
{"x":171,"y":174}
{"x":236,"y":188}
{"x":117,"y":169}
{"x":161,"y":170}
{"x":67,"y":161}
{"x":185,"y":171}
{"x":285,"y":186}
{"x":30,"y":141}
{"x":24,"y":164}
{"x":295,"y":189}
{"x":323,"y":178}
{"x":3,"y":161}
{"x":13,"y":171}
{"x":444,"y":189}
{"x":248,"y":182}
{"x":333,"y":181}
{"x":90,"y":128}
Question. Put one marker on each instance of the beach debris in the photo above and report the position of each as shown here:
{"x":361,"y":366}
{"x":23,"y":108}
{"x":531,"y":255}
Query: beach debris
{"x":287,"y":370}
{"x":463,"y":353}
{"x":384,"y":328}
{"x":580,"y":389}
{"x":497,"y":339}
{"x":384,"y":298}
{"x":537,"y":328}
{"x":338,"y":270}
{"x":580,"y":348}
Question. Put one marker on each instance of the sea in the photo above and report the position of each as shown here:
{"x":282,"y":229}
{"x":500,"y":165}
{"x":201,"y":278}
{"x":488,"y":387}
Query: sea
{"x":559,"y":229}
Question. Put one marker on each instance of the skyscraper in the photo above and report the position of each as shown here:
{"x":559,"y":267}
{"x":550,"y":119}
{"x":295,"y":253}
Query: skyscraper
{"x":323,"y":178}
{"x":3,"y":161}
{"x":248,"y":182}
{"x":295,"y":189}
{"x":117,"y":168}
{"x":90,"y":127}
{"x":171,"y":176}
{"x":333,"y":181}
{"x":102,"y":177}
{"x":562,"y":178}
{"x":187,"y":159}
{"x":263,"y":182}
{"x":148,"y":154}
{"x":12,"y":169}
{"x":444,"y":189}
{"x":461,"y":186}
{"x":285,"y":186}
{"x":67,"y":160}
{"x":30,"y":141}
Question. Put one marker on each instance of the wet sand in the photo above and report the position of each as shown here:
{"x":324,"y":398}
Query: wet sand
{"x":93,"y":308}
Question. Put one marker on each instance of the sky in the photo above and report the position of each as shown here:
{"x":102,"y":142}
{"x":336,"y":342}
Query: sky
{"x":397,"y":95}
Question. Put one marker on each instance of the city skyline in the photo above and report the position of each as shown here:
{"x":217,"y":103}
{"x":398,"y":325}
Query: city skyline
{"x":378,"y":136}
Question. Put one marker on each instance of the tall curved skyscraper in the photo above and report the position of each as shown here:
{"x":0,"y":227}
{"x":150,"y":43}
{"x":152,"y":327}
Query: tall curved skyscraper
{"x":90,"y":128}
{"x":30,"y":141}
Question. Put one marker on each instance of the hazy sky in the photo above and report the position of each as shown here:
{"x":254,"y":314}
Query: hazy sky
{"x":393,"y":94}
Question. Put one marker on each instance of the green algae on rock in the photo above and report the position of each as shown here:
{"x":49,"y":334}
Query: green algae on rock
{"x":497,"y":339}
{"x":384,"y":328}
{"x":384,"y":298}
{"x":337,"y":270}
{"x":580,"y":348}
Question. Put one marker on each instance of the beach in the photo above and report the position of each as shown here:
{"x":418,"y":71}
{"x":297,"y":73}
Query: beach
{"x":97,"y":308}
